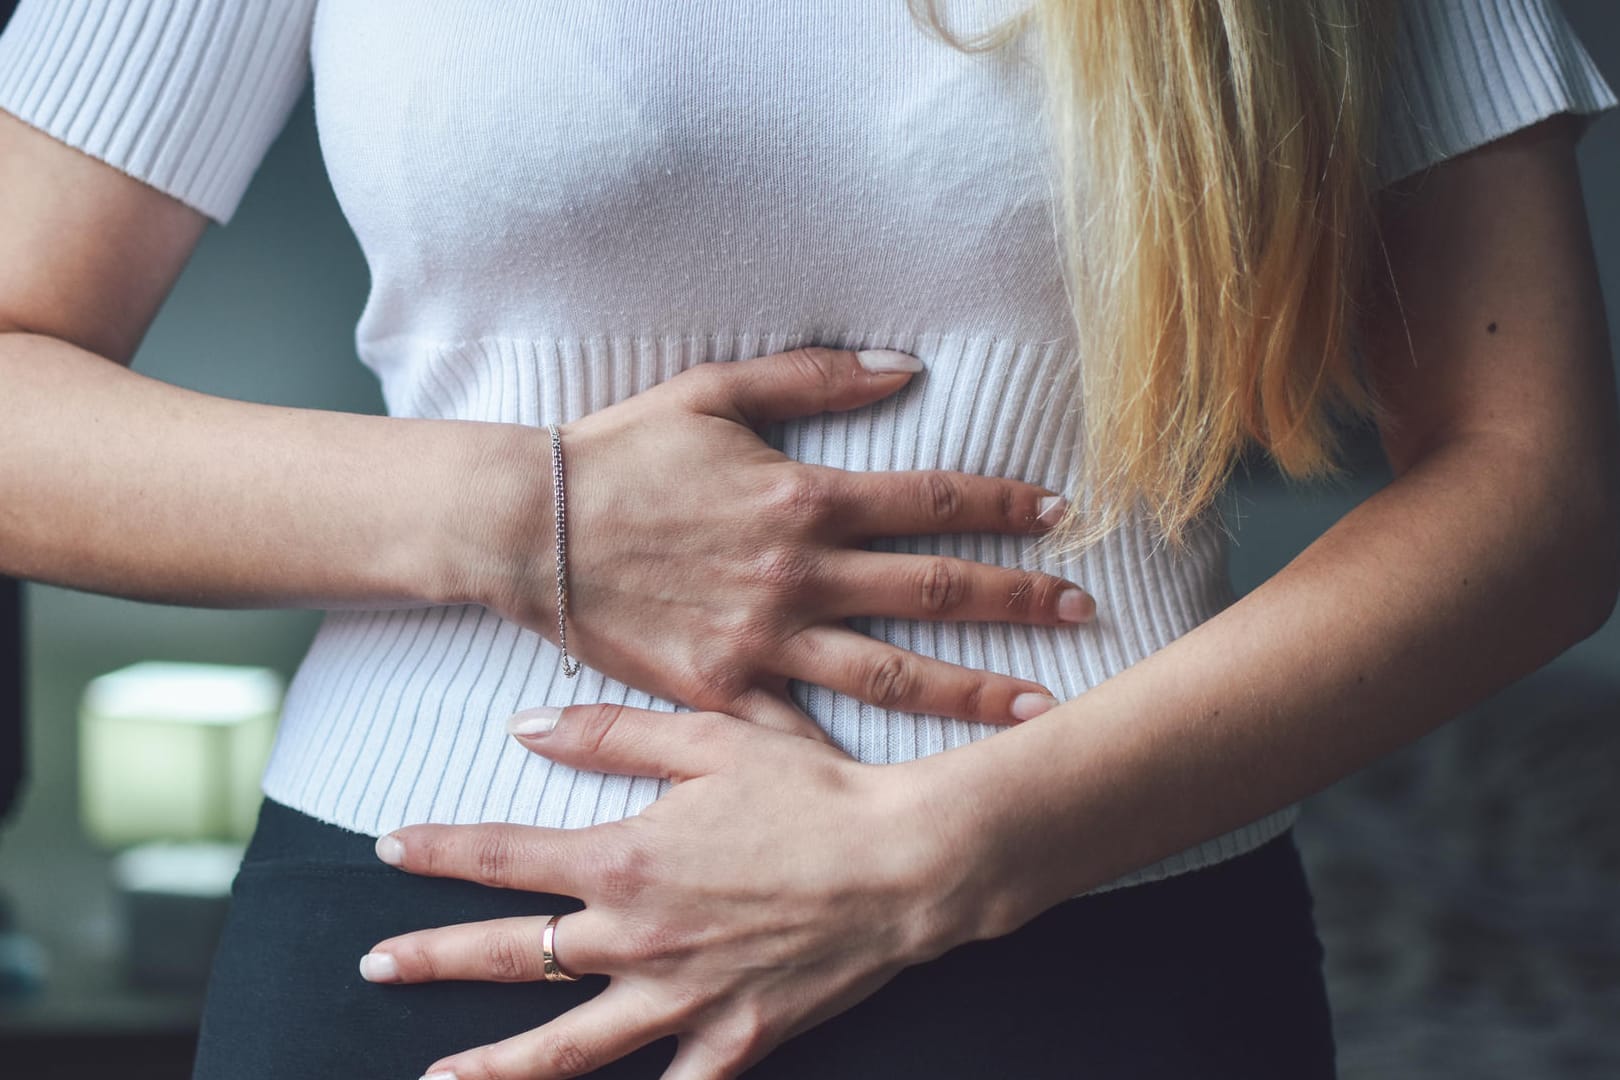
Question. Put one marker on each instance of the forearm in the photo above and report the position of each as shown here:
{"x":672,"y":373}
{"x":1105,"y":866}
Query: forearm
{"x":114,"y":482}
{"x":1473,"y":569}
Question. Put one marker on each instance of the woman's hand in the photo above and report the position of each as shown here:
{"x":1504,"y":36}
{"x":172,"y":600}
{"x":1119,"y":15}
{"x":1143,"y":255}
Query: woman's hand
{"x":775,"y":885}
{"x":710,"y":569}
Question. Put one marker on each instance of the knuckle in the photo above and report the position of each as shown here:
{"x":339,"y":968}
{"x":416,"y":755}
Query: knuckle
{"x":783,"y":570}
{"x":624,"y":871}
{"x":971,"y":703}
{"x":942,"y":588}
{"x":1043,"y":590}
{"x":799,"y":498}
{"x":506,"y":959}
{"x":811,"y":369}
{"x":1025,"y":593}
{"x":424,"y":854}
{"x":1020,"y":592}
{"x":415,"y":959}
{"x":478,"y":1068}
{"x":597,"y":724}
{"x":941,"y":496}
{"x":890,"y":681}
{"x":496,"y":858}
{"x":564,"y":1055}
{"x":1008,"y":504}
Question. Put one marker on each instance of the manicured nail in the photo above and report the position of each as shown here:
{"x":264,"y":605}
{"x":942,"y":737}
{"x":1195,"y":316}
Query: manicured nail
{"x":390,"y":850}
{"x":1051,"y":509}
{"x":535,"y":721}
{"x":378,"y":967}
{"x":440,"y":1076}
{"x":887,"y":361}
{"x":1076,"y":605}
{"x":1029,"y":706}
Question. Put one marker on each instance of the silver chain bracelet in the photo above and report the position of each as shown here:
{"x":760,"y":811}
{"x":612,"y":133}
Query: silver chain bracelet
{"x":559,"y":501}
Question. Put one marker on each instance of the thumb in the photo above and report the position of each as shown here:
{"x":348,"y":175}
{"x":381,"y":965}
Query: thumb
{"x":803,"y":382}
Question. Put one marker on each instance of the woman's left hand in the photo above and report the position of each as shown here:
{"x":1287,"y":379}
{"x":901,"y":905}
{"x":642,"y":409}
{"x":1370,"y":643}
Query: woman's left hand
{"x":775,"y":885}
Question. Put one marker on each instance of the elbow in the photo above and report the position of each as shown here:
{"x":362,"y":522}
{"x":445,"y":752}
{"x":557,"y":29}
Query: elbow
{"x":1600,"y":600}
{"x":1596,"y":561}
{"x":1606,"y":588}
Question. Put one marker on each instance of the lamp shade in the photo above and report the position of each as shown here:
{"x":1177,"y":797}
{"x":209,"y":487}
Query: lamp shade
{"x":174,"y":751}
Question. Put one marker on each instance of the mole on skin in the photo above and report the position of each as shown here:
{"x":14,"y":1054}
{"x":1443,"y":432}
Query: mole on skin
{"x":1491,"y":329}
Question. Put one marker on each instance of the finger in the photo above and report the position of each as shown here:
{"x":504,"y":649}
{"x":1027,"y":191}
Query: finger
{"x":499,"y":950}
{"x":893,"y":678}
{"x":777,"y":712}
{"x":939,"y":588}
{"x":927,"y":501}
{"x":695,"y":1060}
{"x":581,"y":1040}
{"x":799,"y":382}
{"x":505,"y":856}
{"x":634,"y":742}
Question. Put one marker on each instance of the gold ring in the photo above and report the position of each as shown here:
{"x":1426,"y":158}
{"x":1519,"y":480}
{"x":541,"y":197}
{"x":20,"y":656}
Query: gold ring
{"x":548,"y":958}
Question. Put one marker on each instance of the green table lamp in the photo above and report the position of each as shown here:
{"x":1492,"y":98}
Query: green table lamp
{"x":170,"y":757}
{"x":175,"y":751}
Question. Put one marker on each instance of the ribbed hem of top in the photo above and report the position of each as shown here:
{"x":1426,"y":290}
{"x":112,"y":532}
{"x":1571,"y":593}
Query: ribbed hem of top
{"x":183,"y":95}
{"x":1467,"y":72}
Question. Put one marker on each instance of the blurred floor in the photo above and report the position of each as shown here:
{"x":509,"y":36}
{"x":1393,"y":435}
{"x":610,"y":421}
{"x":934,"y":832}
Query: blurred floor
{"x":1468,"y":889}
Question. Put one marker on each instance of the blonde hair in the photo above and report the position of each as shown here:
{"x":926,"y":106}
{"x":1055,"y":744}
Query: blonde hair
{"x":1217,"y":220}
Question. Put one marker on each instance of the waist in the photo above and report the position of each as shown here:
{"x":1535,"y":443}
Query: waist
{"x":398,"y":716}
{"x":982,"y":403}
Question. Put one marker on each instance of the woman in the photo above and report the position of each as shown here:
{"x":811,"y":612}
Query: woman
{"x":568,"y":213}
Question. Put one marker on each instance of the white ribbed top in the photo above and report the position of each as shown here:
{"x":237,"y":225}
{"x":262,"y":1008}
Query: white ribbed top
{"x":563,"y":207}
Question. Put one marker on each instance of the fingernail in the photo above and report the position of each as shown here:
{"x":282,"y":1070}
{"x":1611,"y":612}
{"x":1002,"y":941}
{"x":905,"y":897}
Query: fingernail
{"x":390,"y":850}
{"x":378,"y":967}
{"x":1051,"y":509}
{"x":1076,"y":605}
{"x":887,"y":361}
{"x":1029,"y":706}
{"x":535,"y":721}
{"x":440,"y":1076}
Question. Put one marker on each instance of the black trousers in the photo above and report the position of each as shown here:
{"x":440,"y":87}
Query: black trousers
{"x":1212,"y":974}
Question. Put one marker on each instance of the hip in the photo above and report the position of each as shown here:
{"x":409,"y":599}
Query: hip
{"x":1212,"y":973}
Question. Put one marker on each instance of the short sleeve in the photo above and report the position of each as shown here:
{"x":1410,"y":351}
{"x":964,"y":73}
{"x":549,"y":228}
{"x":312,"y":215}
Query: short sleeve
{"x":1466,"y":72}
{"x":183,"y":95}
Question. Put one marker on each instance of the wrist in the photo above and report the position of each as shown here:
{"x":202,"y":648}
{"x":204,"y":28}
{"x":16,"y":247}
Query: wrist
{"x":970,"y":890}
{"x":992,"y":876}
{"x":494,"y":539}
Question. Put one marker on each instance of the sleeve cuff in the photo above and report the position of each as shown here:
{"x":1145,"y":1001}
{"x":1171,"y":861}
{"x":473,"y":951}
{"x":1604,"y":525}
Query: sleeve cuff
{"x":1467,"y":72}
{"x":183,"y":95}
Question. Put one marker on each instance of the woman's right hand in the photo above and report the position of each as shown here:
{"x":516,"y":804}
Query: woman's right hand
{"x":710,"y":569}
{"x":706,"y":567}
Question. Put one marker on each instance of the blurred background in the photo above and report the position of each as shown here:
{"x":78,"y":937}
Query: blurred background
{"x":1468,"y":888}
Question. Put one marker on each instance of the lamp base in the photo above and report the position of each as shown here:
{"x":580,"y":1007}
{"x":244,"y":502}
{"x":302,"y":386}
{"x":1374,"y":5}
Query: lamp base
{"x":174,"y":899}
